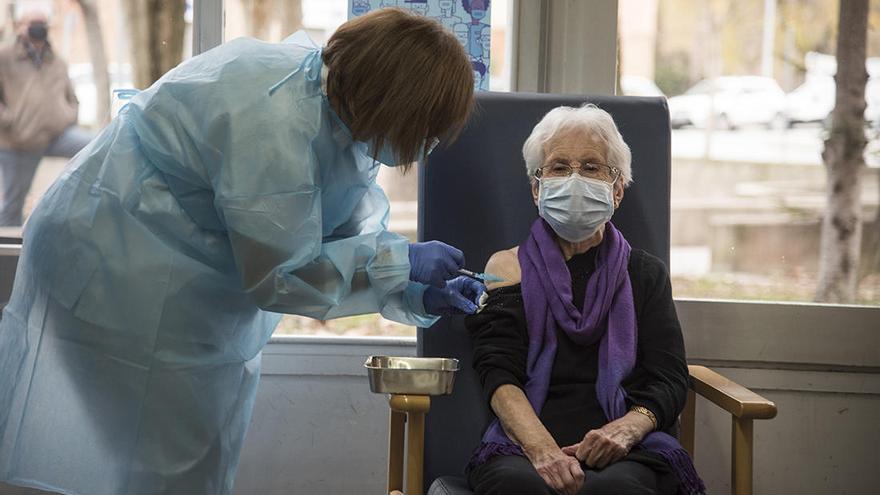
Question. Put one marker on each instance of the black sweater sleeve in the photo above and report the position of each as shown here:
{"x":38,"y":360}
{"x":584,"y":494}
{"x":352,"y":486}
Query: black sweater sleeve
{"x":500,"y":342}
{"x":660,"y":379}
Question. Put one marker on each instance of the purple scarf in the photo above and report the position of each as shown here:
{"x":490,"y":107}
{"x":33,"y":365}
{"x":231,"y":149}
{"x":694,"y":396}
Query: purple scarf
{"x":608,"y":317}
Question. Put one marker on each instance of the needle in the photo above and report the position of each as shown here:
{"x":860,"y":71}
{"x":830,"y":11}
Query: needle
{"x":485,"y":277}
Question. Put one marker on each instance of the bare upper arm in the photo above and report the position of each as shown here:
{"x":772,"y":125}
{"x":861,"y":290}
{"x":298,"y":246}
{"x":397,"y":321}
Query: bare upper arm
{"x":504,"y":264}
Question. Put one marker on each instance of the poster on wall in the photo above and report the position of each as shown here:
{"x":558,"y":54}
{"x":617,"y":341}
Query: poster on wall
{"x":468,"y":20}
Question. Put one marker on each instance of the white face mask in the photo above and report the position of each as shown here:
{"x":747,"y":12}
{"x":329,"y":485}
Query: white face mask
{"x":575,"y":206}
{"x":388,"y":156}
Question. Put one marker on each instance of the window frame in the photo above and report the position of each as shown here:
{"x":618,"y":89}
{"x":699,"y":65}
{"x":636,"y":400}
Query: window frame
{"x":208,"y":20}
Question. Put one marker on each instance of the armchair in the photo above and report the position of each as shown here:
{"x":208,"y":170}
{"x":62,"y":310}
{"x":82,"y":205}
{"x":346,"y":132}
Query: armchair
{"x":475,"y":195}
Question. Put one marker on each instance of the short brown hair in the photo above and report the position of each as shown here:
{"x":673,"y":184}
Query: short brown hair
{"x":399,"y":77}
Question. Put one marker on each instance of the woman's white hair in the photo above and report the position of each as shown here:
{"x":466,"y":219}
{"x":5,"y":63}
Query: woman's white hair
{"x":589,"y":117}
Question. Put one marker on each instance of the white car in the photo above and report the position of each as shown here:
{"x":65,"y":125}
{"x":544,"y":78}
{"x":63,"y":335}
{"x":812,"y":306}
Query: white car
{"x":814,"y":100}
{"x":734,"y":101}
{"x":639,"y":86}
{"x":84,"y":87}
{"x":872,"y":96}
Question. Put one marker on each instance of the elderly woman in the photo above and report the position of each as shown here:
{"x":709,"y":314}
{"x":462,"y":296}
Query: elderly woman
{"x":579,"y":351}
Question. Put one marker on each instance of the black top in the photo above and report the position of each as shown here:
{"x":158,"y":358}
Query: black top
{"x":658,"y":382}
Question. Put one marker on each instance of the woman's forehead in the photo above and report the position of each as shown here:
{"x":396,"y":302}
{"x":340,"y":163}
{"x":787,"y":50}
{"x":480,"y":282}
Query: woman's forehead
{"x":575,"y":140}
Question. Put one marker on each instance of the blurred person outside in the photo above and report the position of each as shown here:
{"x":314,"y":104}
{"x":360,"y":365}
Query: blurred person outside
{"x":38,"y":112}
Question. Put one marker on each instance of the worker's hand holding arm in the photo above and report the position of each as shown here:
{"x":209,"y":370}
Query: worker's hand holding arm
{"x":437,"y":264}
{"x":461,"y":295}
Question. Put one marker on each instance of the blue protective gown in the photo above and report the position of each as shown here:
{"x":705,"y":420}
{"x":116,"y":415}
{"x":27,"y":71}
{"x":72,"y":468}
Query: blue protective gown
{"x":154,"y":269}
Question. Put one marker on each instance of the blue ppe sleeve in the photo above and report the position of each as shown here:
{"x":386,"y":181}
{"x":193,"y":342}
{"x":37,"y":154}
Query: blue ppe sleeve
{"x":410,"y":301}
{"x":287,"y":268}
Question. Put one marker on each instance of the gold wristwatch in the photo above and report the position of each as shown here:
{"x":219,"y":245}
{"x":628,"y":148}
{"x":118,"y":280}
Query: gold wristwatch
{"x":647,"y":412}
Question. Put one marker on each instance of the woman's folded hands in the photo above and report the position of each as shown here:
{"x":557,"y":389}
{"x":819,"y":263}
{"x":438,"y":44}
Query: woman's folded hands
{"x":612,"y":442}
{"x":562,"y":472}
{"x":561,"y":467}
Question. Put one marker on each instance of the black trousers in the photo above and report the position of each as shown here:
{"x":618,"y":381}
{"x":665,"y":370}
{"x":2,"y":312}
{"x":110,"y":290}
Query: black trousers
{"x":637,"y":474}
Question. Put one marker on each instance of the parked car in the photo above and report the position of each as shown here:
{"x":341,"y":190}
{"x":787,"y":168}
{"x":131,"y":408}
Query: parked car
{"x":734,"y":101}
{"x":84,"y":87}
{"x":814,"y":100}
{"x":872,"y":97}
{"x":639,"y":86}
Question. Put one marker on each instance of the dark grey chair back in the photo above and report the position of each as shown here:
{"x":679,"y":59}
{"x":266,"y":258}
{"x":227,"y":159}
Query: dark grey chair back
{"x":475,"y":195}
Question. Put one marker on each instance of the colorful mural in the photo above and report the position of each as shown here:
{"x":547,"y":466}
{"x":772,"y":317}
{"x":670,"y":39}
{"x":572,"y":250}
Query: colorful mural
{"x":469,"y":20}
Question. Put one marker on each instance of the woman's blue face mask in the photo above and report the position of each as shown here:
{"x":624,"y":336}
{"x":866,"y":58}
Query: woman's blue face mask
{"x":575,"y":206}
{"x":388,"y":156}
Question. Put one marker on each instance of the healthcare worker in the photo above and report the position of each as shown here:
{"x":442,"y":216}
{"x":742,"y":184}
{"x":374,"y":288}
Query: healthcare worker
{"x":240,"y":185}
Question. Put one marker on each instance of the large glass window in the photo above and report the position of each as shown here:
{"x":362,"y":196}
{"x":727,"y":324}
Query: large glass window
{"x":274,"y":20}
{"x":502,"y":16}
{"x":107,"y":45}
{"x":750,"y":86}
{"x":110,"y":45}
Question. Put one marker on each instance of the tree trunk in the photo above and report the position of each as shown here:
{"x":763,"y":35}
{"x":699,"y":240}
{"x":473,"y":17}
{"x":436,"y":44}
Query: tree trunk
{"x":156,"y":28}
{"x":291,"y":20}
{"x":99,"y":61}
{"x":844,"y":160}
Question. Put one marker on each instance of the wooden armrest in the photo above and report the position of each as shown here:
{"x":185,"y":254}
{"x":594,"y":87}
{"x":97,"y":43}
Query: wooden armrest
{"x":730,"y":396}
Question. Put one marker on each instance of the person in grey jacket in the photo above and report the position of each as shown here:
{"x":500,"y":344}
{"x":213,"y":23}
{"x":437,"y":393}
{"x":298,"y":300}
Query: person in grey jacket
{"x":38,"y":113}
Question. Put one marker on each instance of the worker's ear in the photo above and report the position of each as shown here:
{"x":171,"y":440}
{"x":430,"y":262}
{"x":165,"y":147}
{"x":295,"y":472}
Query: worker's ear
{"x":536,"y":185}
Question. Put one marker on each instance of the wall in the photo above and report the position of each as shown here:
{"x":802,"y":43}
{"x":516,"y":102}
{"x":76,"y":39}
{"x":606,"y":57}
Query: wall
{"x":316,"y":427}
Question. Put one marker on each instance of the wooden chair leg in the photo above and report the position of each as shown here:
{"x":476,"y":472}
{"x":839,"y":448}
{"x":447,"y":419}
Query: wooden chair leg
{"x":395,"y":451}
{"x":688,"y":423}
{"x":410,"y":409}
{"x":415,"y":455}
{"x":741,"y":470}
